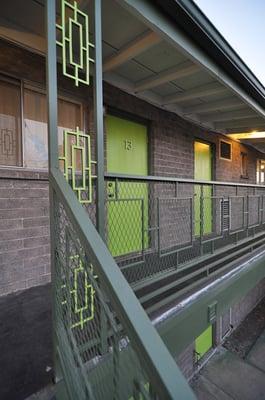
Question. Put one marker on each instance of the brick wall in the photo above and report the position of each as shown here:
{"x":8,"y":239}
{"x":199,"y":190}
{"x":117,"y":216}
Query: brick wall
{"x":24,"y":230}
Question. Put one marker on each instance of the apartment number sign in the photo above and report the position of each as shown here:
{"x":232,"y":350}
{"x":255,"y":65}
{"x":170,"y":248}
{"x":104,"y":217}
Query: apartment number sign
{"x":128,"y":144}
{"x":74,"y":43}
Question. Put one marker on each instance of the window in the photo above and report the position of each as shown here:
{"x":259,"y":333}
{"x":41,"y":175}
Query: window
{"x":225,"y":150}
{"x":35,"y":130}
{"x":34,"y":135}
{"x":69,"y":118}
{"x":261,"y":172}
{"x":244,"y":165}
{"x":10,"y":124}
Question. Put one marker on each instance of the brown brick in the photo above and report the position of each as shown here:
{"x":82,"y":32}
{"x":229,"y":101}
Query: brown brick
{"x":6,"y":224}
{"x":24,"y":193}
{"x":38,"y":241}
{"x":24,"y":233}
{"x":36,"y":261}
{"x":37,"y":221}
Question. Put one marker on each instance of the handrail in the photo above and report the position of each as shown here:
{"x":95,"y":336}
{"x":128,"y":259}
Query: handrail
{"x":145,"y":339}
{"x":155,"y":178}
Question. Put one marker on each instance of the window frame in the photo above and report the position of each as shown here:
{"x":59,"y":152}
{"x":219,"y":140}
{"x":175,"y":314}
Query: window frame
{"x":260,"y":161}
{"x":16,"y":82}
{"x":242,"y":155}
{"x":24,"y":84}
{"x":231,"y":150}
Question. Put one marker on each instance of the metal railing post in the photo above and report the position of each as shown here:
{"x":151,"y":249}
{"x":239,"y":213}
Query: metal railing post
{"x":99,"y":131}
{"x":51,"y":85}
{"x":201,"y":219}
{"x":98,"y":120}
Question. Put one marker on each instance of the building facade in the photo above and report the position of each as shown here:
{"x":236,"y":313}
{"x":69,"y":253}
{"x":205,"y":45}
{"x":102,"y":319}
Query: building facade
{"x":161,"y":215}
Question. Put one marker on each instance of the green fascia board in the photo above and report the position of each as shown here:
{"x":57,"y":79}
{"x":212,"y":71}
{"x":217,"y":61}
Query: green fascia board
{"x":187,"y":323}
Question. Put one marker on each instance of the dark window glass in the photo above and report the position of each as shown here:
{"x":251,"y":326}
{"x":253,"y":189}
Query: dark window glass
{"x":225,"y":150}
{"x":10,"y":124}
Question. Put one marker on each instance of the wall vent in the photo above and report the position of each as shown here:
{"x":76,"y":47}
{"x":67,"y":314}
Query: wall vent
{"x":225,"y":214}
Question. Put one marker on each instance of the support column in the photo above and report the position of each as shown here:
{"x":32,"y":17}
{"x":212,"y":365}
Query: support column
{"x":51,"y":88}
{"x":98,"y":120}
{"x":51,"y":84}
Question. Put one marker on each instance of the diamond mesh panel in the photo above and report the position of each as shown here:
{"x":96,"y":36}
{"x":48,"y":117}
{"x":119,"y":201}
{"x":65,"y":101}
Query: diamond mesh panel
{"x":158,"y":226}
{"x":95,"y":351}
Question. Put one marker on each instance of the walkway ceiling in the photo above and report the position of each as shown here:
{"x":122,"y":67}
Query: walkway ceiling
{"x":151,"y":58}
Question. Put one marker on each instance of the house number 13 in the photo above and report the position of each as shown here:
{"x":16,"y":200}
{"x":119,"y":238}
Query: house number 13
{"x":128,"y":144}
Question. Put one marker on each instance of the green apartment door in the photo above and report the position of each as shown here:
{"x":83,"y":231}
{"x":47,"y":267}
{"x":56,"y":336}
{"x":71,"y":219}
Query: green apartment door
{"x":204,"y":342}
{"x":203,"y":171}
{"x":127,"y":153}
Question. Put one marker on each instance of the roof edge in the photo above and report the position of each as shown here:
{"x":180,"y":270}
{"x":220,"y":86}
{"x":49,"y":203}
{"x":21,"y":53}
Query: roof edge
{"x":197,"y":26}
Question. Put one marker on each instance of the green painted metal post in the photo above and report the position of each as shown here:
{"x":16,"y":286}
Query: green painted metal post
{"x":201,"y":218}
{"x":98,"y":120}
{"x":98,"y":126}
{"x":51,"y":85}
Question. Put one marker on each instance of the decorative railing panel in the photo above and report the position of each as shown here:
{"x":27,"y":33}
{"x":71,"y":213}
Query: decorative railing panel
{"x":102,"y":334}
{"x":182,"y":221}
{"x":105,"y":346}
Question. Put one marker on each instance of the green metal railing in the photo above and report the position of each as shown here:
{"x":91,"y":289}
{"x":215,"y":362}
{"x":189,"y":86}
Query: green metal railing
{"x":166,"y":225}
{"x":106,"y":346}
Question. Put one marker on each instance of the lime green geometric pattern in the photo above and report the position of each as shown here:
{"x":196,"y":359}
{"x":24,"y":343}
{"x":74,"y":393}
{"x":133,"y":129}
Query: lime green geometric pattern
{"x":78,"y":176}
{"x":82,"y":299}
{"x":142,"y":392}
{"x":73,"y":18}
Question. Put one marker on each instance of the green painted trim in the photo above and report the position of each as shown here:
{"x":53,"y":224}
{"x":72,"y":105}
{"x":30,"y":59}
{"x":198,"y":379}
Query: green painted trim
{"x":98,"y":119}
{"x":52,"y":102}
{"x":156,"y":178}
{"x":202,"y":200}
{"x":127,"y":208}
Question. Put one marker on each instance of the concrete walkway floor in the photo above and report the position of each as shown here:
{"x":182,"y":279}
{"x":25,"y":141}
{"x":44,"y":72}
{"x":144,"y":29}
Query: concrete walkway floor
{"x":228,"y":376}
{"x":25,"y":343}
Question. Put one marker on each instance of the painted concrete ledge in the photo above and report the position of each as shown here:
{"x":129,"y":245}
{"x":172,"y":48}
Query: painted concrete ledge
{"x":181,"y":324}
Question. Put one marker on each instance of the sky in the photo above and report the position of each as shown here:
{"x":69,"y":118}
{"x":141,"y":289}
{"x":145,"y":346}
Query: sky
{"x":242,"y":23}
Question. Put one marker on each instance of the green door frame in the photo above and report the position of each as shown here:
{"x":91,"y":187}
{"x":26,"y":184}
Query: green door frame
{"x":204,"y":342}
{"x":127,"y":204}
{"x":202,"y":205}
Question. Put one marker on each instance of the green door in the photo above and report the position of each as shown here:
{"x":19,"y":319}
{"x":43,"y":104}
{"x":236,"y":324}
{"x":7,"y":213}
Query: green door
{"x":203,"y":171}
{"x":204,"y":342}
{"x":127,"y":145}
